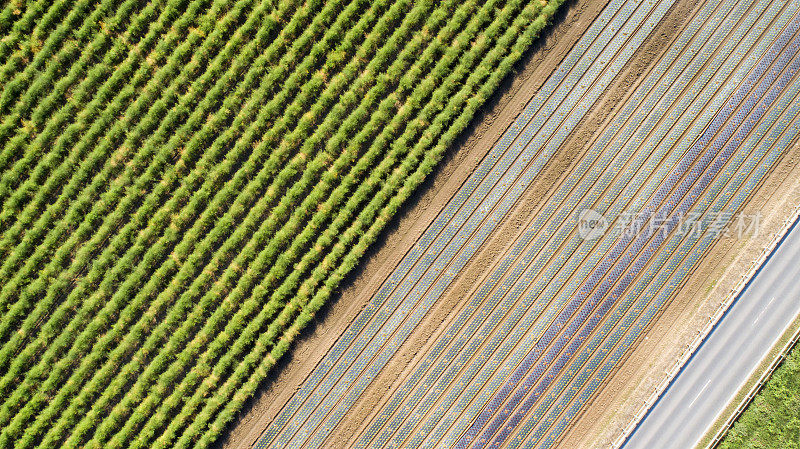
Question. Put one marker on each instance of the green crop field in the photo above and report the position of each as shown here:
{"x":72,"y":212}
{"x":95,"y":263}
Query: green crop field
{"x":184,"y":183}
{"x":772,"y":420}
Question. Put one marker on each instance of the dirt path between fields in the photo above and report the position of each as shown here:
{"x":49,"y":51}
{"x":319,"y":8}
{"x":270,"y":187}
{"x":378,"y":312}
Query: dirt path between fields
{"x":512,"y":97}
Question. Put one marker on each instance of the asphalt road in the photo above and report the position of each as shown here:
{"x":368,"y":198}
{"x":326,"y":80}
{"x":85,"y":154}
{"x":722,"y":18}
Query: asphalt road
{"x":728,"y":356}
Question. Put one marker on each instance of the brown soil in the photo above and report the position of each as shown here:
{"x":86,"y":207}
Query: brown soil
{"x":499,"y":113}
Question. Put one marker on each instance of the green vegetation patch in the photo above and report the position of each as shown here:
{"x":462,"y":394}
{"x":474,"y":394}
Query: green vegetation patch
{"x":184,"y":183}
{"x":772,"y":420}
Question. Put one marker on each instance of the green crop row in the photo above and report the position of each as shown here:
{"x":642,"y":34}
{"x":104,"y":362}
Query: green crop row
{"x":113,"y":220}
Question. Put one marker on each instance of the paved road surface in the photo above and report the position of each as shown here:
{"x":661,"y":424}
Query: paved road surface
{"x":726,"y":359}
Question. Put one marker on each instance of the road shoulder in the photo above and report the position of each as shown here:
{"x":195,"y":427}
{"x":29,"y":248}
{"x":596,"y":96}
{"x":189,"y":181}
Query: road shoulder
{"x":751,"y":388}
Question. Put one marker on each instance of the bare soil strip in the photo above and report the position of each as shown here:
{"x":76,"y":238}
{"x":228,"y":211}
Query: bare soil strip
{"x":569,"y":24}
